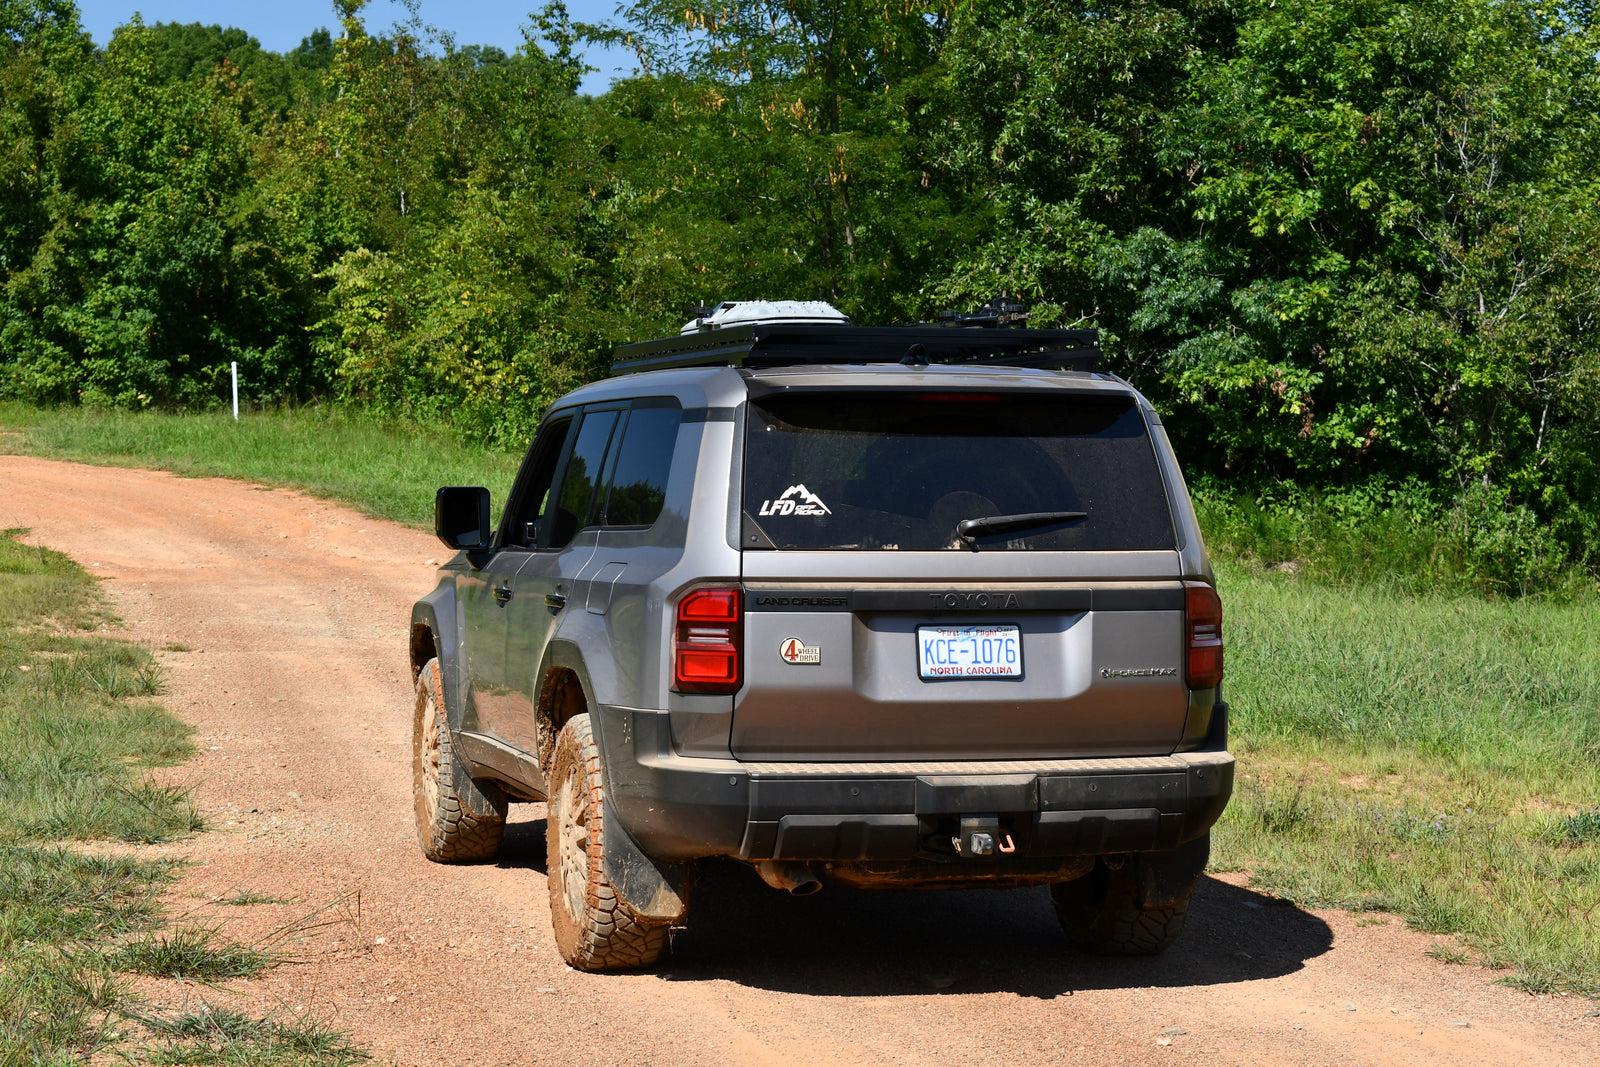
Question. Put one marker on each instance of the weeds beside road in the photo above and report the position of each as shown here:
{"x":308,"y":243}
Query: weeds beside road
{"x":1435,"y":757}
{"x":83,"y":738}
{"x":1426,"y":753}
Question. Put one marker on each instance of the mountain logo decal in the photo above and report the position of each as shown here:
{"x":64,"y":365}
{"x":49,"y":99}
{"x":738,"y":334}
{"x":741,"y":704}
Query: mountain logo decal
{"x":796,"y":500}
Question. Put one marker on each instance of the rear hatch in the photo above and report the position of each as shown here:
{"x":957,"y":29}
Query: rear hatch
{"x":886,"y":621}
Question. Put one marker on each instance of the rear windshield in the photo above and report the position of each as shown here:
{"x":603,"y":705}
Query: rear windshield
{"x":898,"y":471}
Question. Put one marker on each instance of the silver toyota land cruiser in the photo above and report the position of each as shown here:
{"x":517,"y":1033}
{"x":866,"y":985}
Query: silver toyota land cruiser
{"x":881,"y":607}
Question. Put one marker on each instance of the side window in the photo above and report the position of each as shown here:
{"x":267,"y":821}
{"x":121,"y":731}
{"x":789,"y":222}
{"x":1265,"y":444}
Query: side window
{"x":637,"y":486}
{"x":576,"y":496}
{"x":531,"y":494}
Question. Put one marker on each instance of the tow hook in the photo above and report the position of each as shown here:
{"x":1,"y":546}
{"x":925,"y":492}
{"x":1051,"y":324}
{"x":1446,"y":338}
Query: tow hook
{"x":981,"y":835}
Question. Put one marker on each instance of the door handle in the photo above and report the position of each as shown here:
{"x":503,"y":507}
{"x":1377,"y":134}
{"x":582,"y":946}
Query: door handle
{"x":502,"y":592}
{"x":555,"y":601}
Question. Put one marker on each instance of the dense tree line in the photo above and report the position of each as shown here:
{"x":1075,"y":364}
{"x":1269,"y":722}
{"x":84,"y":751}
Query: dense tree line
{"x":1340,"y":242}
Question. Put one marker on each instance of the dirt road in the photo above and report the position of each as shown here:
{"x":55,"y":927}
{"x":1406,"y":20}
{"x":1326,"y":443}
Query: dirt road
{"x":294,"y":613}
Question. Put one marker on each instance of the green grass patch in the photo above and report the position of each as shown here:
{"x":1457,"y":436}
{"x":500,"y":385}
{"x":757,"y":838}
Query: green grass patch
{"x":81,"y":736}
{"x":58,"y":910}
{"x":388,"y":470}
{"x":218,"y":1035}
{"x":1430,"y":756}
{"x":193,"y":952}
{"x":74,"y":927}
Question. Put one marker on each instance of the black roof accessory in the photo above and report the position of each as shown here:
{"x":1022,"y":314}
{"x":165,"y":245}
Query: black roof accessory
{"x":972,"y":340}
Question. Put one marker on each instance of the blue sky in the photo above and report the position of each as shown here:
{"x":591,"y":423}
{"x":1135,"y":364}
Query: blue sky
{"x":280,"y":25}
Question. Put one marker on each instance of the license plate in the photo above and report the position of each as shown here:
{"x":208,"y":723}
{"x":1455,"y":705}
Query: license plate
{"x":972,"y":652}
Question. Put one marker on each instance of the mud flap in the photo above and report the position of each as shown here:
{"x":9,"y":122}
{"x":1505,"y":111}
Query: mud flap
{"x":657,"y":892}
{"x":483,"y":799}
{"x":1165,"y":878}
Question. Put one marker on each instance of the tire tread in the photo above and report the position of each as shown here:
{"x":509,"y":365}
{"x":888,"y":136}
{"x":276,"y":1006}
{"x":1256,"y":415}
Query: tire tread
{"x":452,"y":832}
{"x":608,"y":935}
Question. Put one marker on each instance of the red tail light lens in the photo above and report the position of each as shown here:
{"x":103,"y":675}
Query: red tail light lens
{"x":1203,"y":619}
{"x":708,"y":644}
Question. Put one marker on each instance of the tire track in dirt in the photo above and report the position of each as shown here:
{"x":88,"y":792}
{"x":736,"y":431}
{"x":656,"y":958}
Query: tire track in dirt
{"x":295,"y":613}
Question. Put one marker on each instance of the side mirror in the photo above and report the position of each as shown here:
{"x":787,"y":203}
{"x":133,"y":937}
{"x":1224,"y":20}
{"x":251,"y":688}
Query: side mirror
{"x":461,"y":516}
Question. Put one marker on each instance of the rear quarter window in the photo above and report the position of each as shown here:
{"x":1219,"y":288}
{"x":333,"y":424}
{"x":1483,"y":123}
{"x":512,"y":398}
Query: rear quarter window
{"x":638,"y":489}
{"x":898,"y":472}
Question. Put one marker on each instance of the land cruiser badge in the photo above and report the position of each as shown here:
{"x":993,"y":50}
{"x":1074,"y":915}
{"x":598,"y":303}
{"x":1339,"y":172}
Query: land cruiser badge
{"x":794,"y":650}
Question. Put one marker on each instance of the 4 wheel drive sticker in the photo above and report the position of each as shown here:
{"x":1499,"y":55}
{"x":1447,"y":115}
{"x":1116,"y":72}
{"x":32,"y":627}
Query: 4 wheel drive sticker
{"x":796,"y":500}
{"x":794,"y":650}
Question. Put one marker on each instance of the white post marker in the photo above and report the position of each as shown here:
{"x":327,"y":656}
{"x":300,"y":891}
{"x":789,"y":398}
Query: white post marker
{"x":235,"y":390}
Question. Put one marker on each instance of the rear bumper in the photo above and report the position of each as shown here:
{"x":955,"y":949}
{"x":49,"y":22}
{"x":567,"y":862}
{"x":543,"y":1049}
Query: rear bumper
{"x":682,"y":807}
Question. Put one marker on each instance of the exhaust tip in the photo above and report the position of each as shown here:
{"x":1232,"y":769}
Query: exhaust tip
{"x":796,"y":879}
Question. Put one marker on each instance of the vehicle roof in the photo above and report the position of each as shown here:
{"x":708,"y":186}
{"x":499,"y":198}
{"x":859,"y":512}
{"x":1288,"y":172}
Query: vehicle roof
{"x":726,"y":386}
{"x":895,"y":375}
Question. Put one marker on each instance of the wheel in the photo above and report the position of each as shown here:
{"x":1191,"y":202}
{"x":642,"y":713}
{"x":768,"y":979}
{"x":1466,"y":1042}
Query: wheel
{"x":595,"y":929}
{"x":458,"y":819}
{"x":1100,"y":912}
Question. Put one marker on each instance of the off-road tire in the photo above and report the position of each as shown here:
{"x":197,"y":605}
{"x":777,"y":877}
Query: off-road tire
{"x":595,"y":928}
{"x":1100,"y":912}
{"x":458,"y":820}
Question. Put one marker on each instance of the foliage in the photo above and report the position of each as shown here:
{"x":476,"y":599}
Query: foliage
{"x":1383,"y":535}
{"x":1343,"y":246}
{"x":183,"y":52}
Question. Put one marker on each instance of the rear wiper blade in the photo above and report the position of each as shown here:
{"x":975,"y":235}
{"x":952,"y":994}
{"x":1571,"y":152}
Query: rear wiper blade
{"x":969,"y":530}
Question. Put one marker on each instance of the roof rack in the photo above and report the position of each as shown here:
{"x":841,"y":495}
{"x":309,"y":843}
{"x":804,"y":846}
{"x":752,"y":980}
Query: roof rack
{"x":777,"y":344}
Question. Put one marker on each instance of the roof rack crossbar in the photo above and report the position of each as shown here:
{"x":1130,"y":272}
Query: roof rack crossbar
{"x":779,"y":345}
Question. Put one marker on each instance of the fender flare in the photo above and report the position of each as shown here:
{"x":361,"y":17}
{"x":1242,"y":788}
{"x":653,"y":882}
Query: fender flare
{"x":435,"y":616}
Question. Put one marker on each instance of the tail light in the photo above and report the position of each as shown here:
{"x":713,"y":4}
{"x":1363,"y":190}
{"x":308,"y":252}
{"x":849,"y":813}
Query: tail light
{"x":1203,"y":620}
{"x":708,"y":644}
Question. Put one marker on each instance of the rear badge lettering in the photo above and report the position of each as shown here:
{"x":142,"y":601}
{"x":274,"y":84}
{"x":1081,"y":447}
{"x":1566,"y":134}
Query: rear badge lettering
{"x":794,"y":650}
{"x":796,"y":500}
{"x":763,"y":600}
{"x":1138,"y":672}
{"x":1002,"y":600}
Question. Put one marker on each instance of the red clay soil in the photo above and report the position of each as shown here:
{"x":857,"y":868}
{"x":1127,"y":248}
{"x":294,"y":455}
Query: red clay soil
{"x":293,"y":613}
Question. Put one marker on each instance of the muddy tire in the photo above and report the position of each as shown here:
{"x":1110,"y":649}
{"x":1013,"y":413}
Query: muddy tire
{"x":458,"y":820}
{"x":594,"y":927}
{"x":1100,"y":912}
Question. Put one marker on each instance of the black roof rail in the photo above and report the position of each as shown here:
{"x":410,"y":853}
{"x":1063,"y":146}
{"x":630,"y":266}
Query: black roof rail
{"x":775,"y":344}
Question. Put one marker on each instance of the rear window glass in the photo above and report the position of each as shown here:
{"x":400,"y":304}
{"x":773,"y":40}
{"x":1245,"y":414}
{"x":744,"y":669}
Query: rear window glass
{"x":897,"y":471}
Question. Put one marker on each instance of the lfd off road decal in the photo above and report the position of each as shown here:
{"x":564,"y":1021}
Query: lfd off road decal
{"x":796,"y":500}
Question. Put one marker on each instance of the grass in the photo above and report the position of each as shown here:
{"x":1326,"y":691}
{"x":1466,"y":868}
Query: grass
{"x":217,"y":1035}
{"x":388,"y":470}
{"x":81,"y":736}
{"x":74,"y":927}
{"x":243,"y":898}
{"x":193,"y":952}
{"x":1404,"y":747}
{"x":1434,"y":757}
